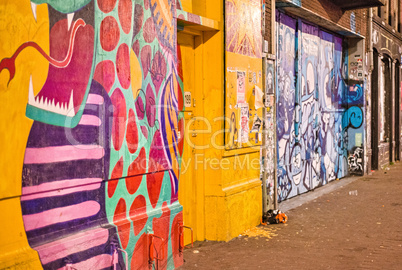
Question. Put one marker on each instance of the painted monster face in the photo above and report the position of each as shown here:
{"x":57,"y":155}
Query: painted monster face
{"x":61,"y":100}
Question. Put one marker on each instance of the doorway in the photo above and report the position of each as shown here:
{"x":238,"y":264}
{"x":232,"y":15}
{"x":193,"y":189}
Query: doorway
{"x":191,"y":185}
{"x":397,"y":129}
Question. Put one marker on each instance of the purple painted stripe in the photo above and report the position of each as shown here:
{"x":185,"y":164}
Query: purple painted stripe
{"x":61,"y":214}
{"x":73,"y":244}
{"x":59,"y":184}
{"x":98,"y":262}
{"x":62,"y":153}
{"x":95,"y":99}
{"x":60,"y":192}
{"x":90,"y":120}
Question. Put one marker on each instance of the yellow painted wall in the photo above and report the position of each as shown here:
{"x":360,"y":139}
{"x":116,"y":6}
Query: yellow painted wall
{"x":17,"y":26}
{"x":252,"y":68}
{"x":233,"y":197}
{"x":229,"y":188}
{"x":187,"y":5}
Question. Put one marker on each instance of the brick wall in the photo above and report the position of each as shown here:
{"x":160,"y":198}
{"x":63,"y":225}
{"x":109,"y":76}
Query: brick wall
{"x":328,"y":10}
{"x":268,"y":25}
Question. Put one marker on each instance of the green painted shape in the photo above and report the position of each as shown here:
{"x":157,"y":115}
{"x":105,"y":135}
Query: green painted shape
{"x":52,"y":118}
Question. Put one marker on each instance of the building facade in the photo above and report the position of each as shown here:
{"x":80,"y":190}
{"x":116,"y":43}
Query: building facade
{"x":384,"y":51}
{"x":124,"y":123}
{"x":128,"y":123}
{"x":320,"y":99}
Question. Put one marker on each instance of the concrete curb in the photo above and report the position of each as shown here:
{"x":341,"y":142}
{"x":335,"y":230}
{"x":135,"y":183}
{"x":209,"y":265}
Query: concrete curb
{"x":316,"y":193}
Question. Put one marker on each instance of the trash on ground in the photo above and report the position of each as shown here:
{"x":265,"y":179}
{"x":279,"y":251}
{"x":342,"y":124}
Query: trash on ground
{"x":274,"y":217}
{"x":267,"y":232}
{"x":353,"y":192}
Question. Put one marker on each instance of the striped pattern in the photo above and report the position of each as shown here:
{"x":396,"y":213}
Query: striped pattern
{"x":63,"y":193}
{"x":53,"y":188}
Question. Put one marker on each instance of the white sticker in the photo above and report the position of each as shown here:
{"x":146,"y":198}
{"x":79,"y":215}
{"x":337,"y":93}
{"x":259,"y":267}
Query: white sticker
{"x":187,"y":99}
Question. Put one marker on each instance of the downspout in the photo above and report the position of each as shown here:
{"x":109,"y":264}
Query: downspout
{"x":273,"y":51}
{"x":370,"y":50}
{"x":370,"y":70}
{"x":264,"y":141}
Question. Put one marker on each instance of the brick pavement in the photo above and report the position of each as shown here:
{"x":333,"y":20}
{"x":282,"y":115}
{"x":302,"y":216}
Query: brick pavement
{"x":356,"y":225}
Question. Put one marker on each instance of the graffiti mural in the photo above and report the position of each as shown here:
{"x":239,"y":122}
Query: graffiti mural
{"x":355,"y":161}
{"x":285,"y":100}
{"x":317,"y":112}
{"x":243,"y":34}
{"x":101,"y":167}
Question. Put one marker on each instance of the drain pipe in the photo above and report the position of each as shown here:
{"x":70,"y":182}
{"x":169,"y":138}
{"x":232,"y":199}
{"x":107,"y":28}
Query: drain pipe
{"x":264,"y":147}
{"x":370,"y":69}
{"x":273,"y":51}
{"x":370,"y":36}
{"x":264,"y":141}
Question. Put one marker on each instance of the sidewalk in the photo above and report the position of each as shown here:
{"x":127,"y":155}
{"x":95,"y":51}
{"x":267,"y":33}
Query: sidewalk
{"x":356,"y":225}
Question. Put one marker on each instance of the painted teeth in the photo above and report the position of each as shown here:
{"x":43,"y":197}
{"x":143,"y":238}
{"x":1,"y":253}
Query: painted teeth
{"x":70,"y":17}
{"x":70,"y":107}
{"x":33,"y":7}
{"x":50,"y":105}
{"x":31,"y":96}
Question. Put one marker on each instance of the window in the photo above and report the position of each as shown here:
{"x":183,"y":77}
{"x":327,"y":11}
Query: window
{"x":382,"y":102}
{"x":390,"y":22}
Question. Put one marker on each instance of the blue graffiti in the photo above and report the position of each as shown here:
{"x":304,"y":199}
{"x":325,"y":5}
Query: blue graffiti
{"x":314,"y":118}
{"x":354,"y":95}
{"x":353,"y":118}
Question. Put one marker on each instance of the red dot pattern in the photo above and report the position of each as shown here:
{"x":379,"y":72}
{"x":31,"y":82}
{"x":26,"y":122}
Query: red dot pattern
{"x":109,"y":33}
{"x":136,"y":48}
{"x":177,"y":259}
{"x":138,"y":213}
{"x":149,"y":31}
{"x":139,"y":260}
{"x":106,"y":5}
{"x":138,"y":19}
{"x":132,"y":132}
{"x":161,"y":230}
{"x":136,"y":171}
{"x":122,"y":223}
{"x":146,"y":56}
{"x":181,"y":139}
{"x":105,"y":74}
{"x":123,"y":65}
{"x":125,"y":11}
{"x":119,"y":118}
{"x":154,"y":184}
{"x":116,"y":174}
{"x":158,"y":70}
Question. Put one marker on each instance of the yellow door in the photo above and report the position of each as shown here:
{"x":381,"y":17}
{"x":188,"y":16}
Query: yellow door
{"x":190,"y":186}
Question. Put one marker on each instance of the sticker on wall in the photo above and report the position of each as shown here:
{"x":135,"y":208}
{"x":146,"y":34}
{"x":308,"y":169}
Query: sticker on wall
{"x":258,"y":98}
{"x":256,"y":124}
{"x":269,"y":83}
{"x":187,"y":99}
{"x":358,"y":139}
{"x":244,"y":119}
{"x":241,"y":86}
